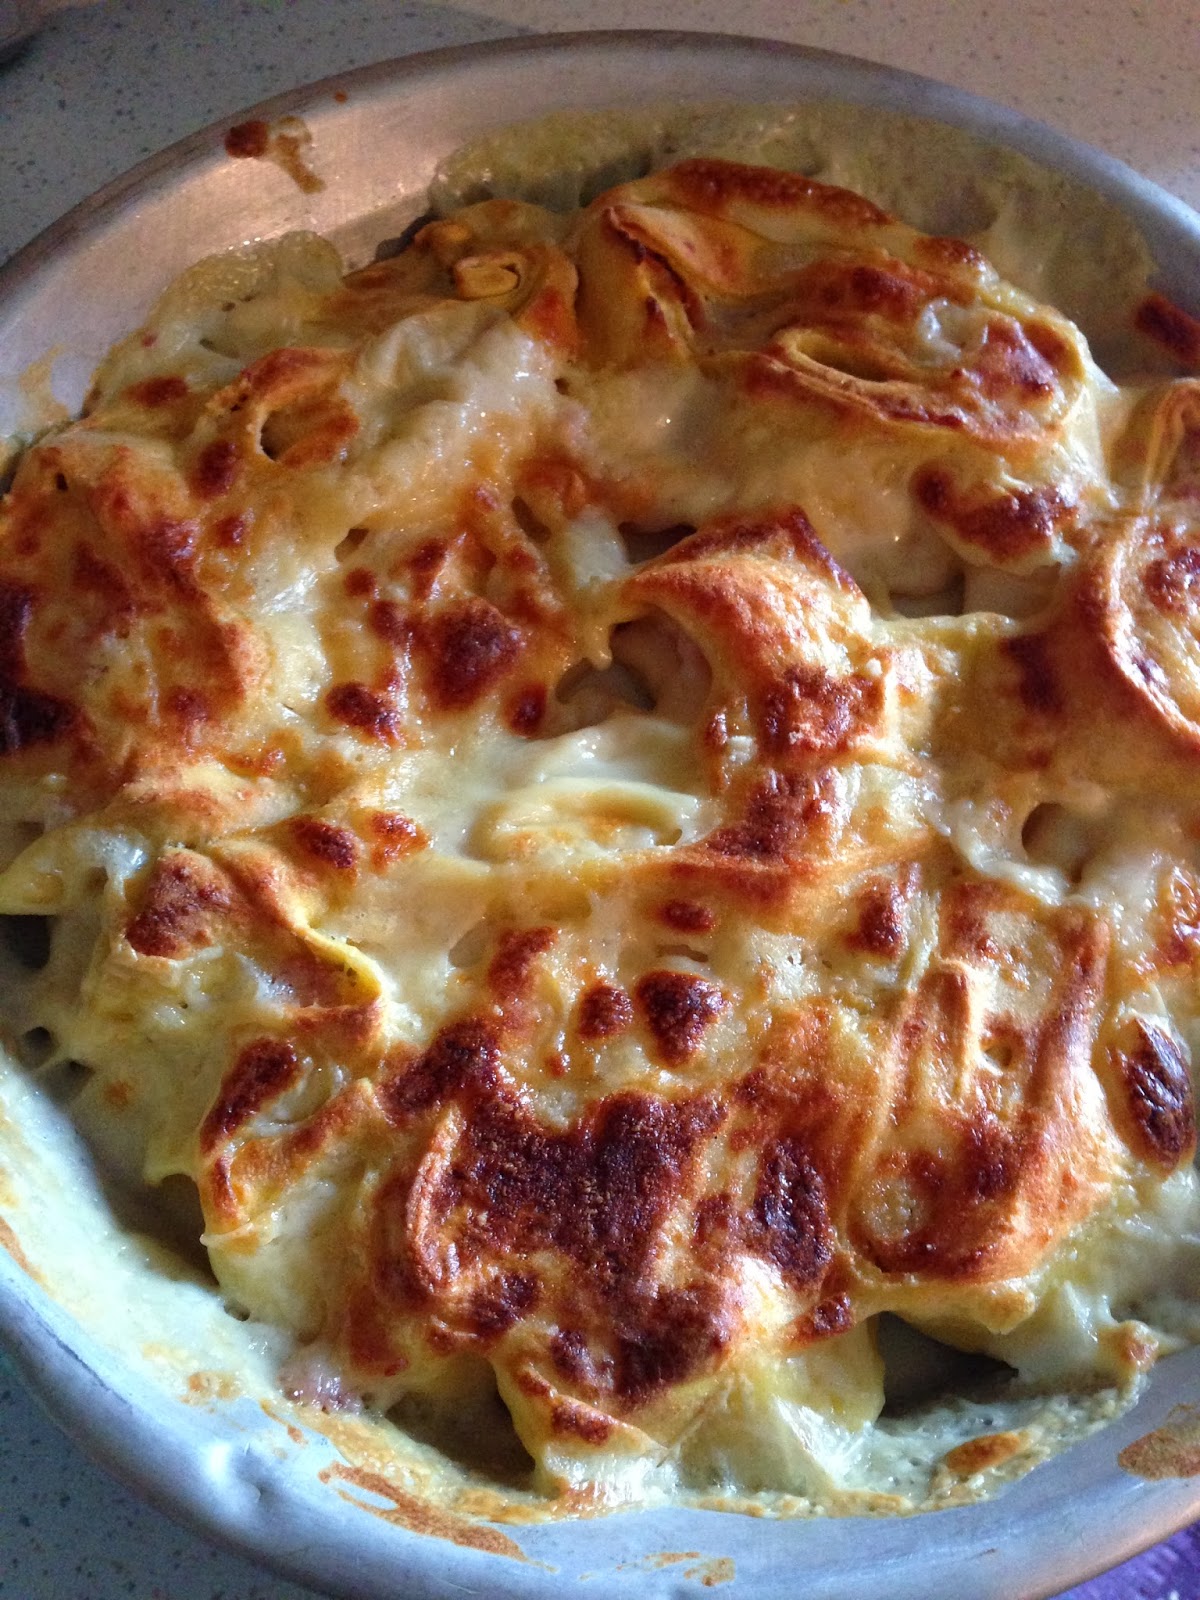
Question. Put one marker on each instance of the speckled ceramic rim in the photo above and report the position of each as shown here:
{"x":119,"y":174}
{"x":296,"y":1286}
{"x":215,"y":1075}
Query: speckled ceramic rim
{"x":1069,"y":1519}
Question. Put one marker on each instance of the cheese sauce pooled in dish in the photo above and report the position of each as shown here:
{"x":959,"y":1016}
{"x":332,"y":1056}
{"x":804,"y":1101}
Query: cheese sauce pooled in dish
{"x":620,"y":790}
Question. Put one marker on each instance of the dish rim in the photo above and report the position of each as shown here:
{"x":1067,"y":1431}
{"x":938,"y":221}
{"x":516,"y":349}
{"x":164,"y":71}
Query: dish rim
{"x":74,"y":1377}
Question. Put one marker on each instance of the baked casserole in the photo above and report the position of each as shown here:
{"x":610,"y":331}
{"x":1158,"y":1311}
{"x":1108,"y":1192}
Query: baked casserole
{"x":618,"y":790}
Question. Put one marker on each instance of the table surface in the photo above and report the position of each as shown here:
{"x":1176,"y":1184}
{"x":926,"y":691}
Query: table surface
{"x":104,"y":84}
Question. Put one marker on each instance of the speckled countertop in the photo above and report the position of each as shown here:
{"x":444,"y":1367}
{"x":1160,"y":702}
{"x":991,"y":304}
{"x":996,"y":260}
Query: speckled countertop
{"x":104,"y":84}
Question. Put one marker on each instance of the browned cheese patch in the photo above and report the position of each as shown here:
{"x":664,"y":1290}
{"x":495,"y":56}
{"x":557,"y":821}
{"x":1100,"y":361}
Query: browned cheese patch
{"x":1038,"y":684}
{"x":1008,"y":527}
{"x":1158,"y":1113}
{"x":1172,"y":582}
{"x":976,"y":1187}
{"x":881,"y":928}
{"x":811,"y":712}
{"x":28,"y":716}
{"x":393,"y":837}
{"x":678,"y":1007}
{"x":687,"y":916}
{"x":325,"y":843}
{"x":469,"y":647}
{"x":262,"y":1071}
{"x":418,"y":1515}
{"x":980,"y":1454}
{"x":604,"y":1010}
{"x":712,"y":185}
{"x":185,"y":899}
{"x":366,"y":710}
{"x":483,"y":1229}
{"x":1172,"y":1451}
{"x":216,"y":469}
{"x":1136,"y":598}
{"x":154,"y":393}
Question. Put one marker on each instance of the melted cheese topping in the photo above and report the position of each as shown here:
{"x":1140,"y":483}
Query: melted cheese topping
{"x":620,"y":791}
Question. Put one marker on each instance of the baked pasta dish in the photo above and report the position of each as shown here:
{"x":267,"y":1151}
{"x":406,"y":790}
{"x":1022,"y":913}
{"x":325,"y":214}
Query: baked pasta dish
{"x":619,"y":790}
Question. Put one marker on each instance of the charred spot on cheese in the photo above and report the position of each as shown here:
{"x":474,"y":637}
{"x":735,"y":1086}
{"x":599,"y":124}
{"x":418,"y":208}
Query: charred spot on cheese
{"x":1037,"y":675}
{"x":894,"y":290}
{"x":189,"y":707}
{"x":508,"y":1298}
{"x":827,"y":1319}
{"x":94,"y":576}
{"x":28,"y":716}
{"x":812,"y":712}
{"x":584,"y":1422}
{"x":1173,"y":581}
{"x":782,"y":811}
{"x":395,"y":836}
{"x":469,"y":647}
{"x":785,"y":530}
{"x":679,"y":1333}
{"x":880,"y":928}
{"x":526,"y":711}
{"x":1178,"y":918}
{"x":216,"y":469}
{"x":1157,"y":1086}
{"x":261,"y":1072}
{"x":166,"y":547}
{"x":183,"y":895}
{"x":1023,"y":360}
{"x":391,"y":622}
{"x":359,"y":584}
{"x":231,"y":531}
{"x":789,"y":1222}
{"x":1136,"y":599}
{"x":326,"y":843}
{"x":511,"y":968}
{"x":463,"y":1055}
{"x":1006,"y":527}
{"x":928,"y":1214}
{"x":686,"y":916}
{"x":678,"y":1008}
{"x":604,"y":1010}
{"x":711,"y":184}
{"x":362,"y":708}
{"x":597,"y":1194}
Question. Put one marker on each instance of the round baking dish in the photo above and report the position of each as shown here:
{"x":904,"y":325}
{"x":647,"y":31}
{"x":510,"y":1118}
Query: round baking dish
{"x":227,"y":1465}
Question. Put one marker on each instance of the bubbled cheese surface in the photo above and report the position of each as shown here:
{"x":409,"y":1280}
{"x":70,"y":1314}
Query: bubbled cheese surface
{"x":621,"y":791}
